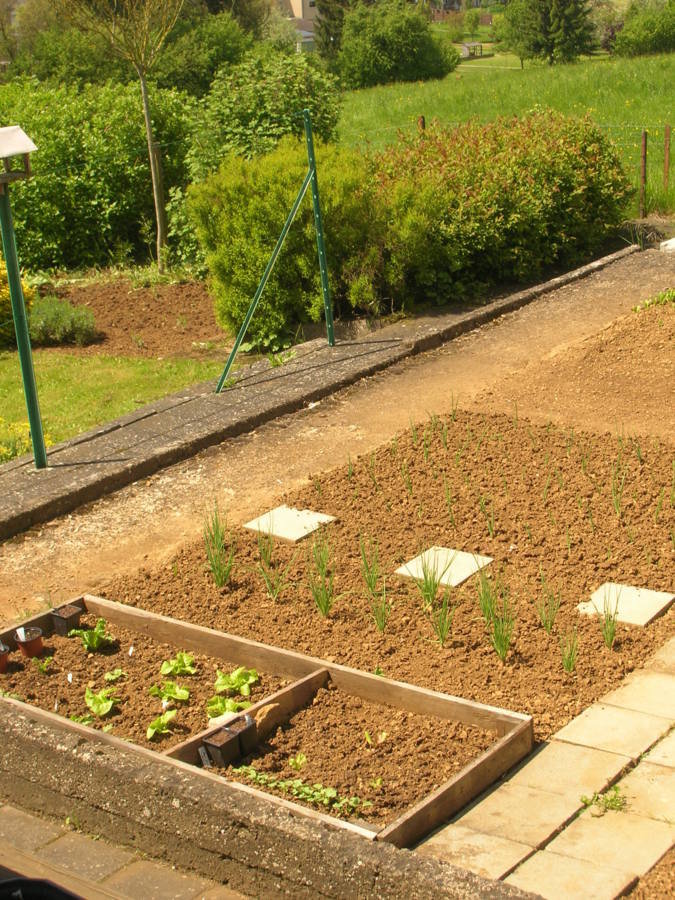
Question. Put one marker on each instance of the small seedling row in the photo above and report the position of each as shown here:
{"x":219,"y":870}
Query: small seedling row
{"x":251,"y":749}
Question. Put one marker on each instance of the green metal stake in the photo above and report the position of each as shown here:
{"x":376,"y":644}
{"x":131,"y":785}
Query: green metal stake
{"x":321,"y":247}
{"x":21,"y":329}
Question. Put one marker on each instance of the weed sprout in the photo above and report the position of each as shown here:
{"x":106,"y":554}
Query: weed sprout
{"x":569,"y":646}
{"x":549,"y":604}
{"x":320,"y":578}
{"x":219,"y":548}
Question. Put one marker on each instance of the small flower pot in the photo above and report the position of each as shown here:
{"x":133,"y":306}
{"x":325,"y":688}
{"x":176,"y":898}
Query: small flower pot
{"x":4,"y":656}
{"x":65,"y":618}
{"x":245,"y":728}
{"x":29,"y":640}
{"x":223,"y":747}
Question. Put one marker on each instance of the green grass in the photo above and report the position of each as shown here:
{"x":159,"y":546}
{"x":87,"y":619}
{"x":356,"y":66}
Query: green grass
{"x":78,"y":392}
{"x":621,"y":96}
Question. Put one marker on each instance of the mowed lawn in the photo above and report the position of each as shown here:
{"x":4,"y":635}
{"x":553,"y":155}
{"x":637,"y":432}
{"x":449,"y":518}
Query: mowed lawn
{"x":78,"y":392}
{"x":623,"y":96}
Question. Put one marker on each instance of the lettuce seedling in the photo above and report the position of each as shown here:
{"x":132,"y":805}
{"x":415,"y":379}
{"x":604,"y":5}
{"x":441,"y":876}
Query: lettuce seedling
{"x":181,"y":664}
{"x":94,"y":640}
{"x":169,"y":691}
{"x":86,"y":719}
{"x":218,"y":706}
{"x":115,"y":675}
{"x":102,"y":703}
{"x":238,"y":681}
{"x":160,"y":725}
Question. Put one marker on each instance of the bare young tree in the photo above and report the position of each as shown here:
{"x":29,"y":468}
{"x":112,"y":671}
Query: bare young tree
{"x":137,"y":30}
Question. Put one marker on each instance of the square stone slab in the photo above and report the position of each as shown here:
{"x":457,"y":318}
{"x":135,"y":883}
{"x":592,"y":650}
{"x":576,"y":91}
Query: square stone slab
{"x":647,"y":692}
{"x":152,"y":881}
{"x":650,"y":791}
{"x":617,"y":838}
{"x":485,"y":854}
{"x":663,"y":754}
{"x":664,"y":659}
{"x":82,"y":855}
{"x":570,"y":769}
{"x":26,"y":832}
{"x":289,"y":524}
{"x":453,"y":566}
{"x":634,"y":606}
{"x":558,"y":877}
{"x":527,"y":815}
{"x":613,"y":729}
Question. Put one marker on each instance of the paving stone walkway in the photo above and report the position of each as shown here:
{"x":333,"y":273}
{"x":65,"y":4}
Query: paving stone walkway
{"x":92,"y":868}
{"x":176,"y":427}
{"x":533,"y":830}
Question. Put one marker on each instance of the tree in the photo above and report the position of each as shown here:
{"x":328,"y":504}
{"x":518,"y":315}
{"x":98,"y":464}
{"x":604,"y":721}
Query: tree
{"x":472,"y":21}
{"x":137,"y":30}
{"x":328,"y":27}
{"x":554,"y":30}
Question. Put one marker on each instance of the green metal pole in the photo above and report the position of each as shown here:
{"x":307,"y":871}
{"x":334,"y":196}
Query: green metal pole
{"x":321,"y":247}
{"x":21,"y":329}
{"x":263,"y":281}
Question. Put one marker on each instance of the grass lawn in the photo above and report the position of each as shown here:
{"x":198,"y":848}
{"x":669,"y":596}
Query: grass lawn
{"x":622,"y":96}
{"x":78,"y":392}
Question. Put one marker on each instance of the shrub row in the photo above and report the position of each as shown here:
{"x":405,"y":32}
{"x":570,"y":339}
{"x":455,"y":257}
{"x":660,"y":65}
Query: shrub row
{"x":647,"y":29}
{"x":430,"y":220}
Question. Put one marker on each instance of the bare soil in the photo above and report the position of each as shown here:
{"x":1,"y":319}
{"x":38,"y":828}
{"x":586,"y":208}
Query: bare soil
{"x":388,"y":758}
{"x":160,"y":320}
{"x":62,"y":687}
{"x":548,"y":494}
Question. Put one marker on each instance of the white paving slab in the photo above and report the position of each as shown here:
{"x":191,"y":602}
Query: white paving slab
{"x":663,"y":754}
{"x":648,"y":692}
{"x":634,"y":606}
{"x":485,"y":854}
{"x":453,"y":566}
{"x":616,"y":730}
{"x":557,"y":877}
{"x":289,"y":524}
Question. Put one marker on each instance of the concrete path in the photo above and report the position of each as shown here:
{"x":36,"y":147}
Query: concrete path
{"x":535,"y":832}
{"x":89,"y":867}
{"x":177,"y":427}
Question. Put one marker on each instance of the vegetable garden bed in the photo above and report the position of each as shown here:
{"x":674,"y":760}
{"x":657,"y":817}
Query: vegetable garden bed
{"x":358,"y":735}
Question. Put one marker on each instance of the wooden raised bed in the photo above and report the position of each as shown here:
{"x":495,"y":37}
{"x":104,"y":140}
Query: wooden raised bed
{"x":514,"y":730}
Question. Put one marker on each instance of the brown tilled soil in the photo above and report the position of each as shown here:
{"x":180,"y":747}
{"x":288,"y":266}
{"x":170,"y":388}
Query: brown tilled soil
{"x":387,"y":758}
{"x":140,"y":659}
{"x":569,"y":510}
{"x":160,"y":320}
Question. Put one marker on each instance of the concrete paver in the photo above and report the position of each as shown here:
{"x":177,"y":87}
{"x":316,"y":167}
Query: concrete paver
{"x":663,"y":754}
{"x":487,"y":855}
{"x":633,"y":606}
{"x":26,"y":832}
{"x":564,"y":768}
{"x":648,"y":692}
{"x":664,"y":659}
{"x":452,"y":567}
{"x":650,"y":791}
{"x":556,"y":877}
{"x":616,"y":730}
{"x":154,"y":881}
{"x":616,"y":839}
{"x":90,"y":859}
{"x":289,"y":524}
{"x":527,"y":815}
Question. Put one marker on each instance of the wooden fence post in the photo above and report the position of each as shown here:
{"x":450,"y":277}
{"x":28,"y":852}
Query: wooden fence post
{"x":643,"y":177}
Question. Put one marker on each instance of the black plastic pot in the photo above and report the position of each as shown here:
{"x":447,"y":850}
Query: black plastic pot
{"x":65,"y":618}
{"x":246,"y":729}
{"x":223,"y":747}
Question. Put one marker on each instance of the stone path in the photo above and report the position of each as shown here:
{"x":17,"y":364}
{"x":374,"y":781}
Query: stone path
{"x":534,"y":832}
{"x":177,"y":427}
{"x":90,"y":867}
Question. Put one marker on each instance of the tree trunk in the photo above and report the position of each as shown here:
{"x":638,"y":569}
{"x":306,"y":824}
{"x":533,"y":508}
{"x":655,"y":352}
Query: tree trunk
{"x":160,"y":209}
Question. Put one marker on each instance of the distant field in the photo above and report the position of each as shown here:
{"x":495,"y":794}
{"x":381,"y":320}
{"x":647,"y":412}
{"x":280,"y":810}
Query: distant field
{"x":622,"y":96}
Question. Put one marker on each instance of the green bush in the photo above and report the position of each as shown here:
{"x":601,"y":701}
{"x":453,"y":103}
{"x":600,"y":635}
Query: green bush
{"x":238,"y":215}
{"x":190,"y":61}
{"x":391,"y":41}
{"x":69,"y":56}
{"x":482,"y":204}
{"x":56,"y":321}
{"x":90,"y":200}
{"x":648,"y":28}
{"x":250,"y":107}
{"x":7,"y":335}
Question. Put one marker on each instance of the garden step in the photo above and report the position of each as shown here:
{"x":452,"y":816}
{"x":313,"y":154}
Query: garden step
{"x":664,"y":659}
{"x":616,"y":730}
{"x":570,"y":769}
{"x":618,"y":839}
{"x":561,"y":877}
{"x":632,"y":605}
{"x":647,"y":692}
{"x":489,"y":855}
{"x":650,"y":791}
{"x":663,"y":754}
